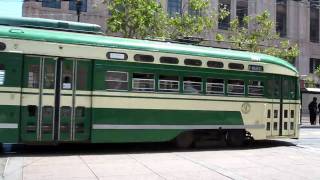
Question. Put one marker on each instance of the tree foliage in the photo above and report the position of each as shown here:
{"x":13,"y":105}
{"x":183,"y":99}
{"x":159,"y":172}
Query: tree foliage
{"x":146,"y":18}
{"x":136,"y":18}
{"x":197,"y":19}
{"x":257,"y":34}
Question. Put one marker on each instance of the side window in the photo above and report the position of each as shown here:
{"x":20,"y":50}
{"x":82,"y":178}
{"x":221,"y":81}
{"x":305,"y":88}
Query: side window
{"x":292,"y":89}
{"x":67,"y":74}
{"x":169,"y":60}
{"x":255,"y":88}
{"x":49,"y":76}
{"x":215,"y":86}
{"x":116,"y":80}
{"x":236,"y":87}
{"x":192,"y":85}
{"x":276,"y":88}
{"x":236,"y":66}
{"x":143,"y":82}
{"x":215,"y":64}
{"x":270,"y":88}
{"x":33,"y":76}
{"x":168,"y":83}
{"x":143,"y":58}
{"x":193,"y":62}
{"x":285,"y":88}
{"x":2,"y":74}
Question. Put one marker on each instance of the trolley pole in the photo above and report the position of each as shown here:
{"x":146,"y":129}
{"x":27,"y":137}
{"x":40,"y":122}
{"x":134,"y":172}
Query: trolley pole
{"x":78,"y":7}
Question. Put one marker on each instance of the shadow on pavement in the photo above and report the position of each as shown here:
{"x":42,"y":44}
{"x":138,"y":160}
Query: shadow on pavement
{"x":16,"y":150}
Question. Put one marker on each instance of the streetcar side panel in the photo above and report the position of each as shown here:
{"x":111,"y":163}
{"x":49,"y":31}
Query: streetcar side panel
{"x":10,"y":94}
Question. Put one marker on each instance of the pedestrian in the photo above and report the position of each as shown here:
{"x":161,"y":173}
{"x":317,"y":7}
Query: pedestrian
{"x":313,"y":110}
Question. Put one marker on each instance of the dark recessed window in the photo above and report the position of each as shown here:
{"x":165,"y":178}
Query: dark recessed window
{"x":224,"y":23}
{"x":314,"y":21}
{"x":285,"y":115}
{"x":174,"y":7}
{"x":192,"y":62}
{"x":268,"y":126}
{"x":292,"y":114}
{"x":73,"y":5}
{"x":2,"y":46}
{"x":236,"y":66}
{"x":51,"y":4}
{"x":117,"y":56}
{"x":242,"y":11}
{"x":215,"y":64}
{"x":275,"y":113}
{"x":169,"y":60}
{"x":143,"y":58}
{"x":313,"y":64}
{"x":285,"y":126}
{"x":275,"y":126}
{"x":281,"y":17}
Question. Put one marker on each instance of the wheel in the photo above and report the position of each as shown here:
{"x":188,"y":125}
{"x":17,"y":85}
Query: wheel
{"x":235,"y":138}
{"x":184,"y":140}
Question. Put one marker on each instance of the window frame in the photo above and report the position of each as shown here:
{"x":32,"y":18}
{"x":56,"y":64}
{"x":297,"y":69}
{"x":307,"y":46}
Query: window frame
{"x":169,"y":90}
{"x":215,"y":92}
{"x":2,"y":74}
{"x":254,"y":86}
{"x":118,"y":81}
{"x":138,"y":90}
{"x":192,"y":82}
{"x":236,"y":94}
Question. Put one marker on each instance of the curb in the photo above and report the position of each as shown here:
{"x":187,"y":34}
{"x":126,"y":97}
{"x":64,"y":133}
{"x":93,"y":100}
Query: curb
{"x":310,"y":126}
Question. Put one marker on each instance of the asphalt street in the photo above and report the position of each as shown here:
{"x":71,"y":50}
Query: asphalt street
{"x":276,"y":159}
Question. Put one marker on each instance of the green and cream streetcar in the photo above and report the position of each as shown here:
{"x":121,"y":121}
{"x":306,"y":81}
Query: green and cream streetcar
{"x":67,"y":82}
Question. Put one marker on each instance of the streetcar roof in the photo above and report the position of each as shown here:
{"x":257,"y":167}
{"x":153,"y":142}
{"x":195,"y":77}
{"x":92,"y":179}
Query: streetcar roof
{"x":135,"y":44}
{"x":51,"y":24}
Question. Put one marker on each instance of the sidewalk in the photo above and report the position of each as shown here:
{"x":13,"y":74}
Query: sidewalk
{"x":305,"y":122}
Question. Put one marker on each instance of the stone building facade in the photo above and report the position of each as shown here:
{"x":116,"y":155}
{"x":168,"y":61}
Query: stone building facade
{"x":297,"y":20}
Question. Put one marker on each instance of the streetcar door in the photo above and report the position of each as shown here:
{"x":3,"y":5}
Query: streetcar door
{"x":38,"y":99}
{"x":276,"y":107}
{"x":75,"y":100}
{"x":286,"y":106}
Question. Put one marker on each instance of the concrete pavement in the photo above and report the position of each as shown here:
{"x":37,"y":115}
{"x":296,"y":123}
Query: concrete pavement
{"x":281,"y":162}
{"x":286,"y":159}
